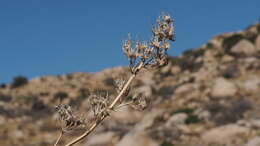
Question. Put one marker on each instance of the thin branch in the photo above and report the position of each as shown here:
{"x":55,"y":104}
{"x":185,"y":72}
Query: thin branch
{"x":58,"y":140}
{"x":126,"y":86}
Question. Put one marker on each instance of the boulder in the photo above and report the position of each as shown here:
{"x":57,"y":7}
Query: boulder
{"x":227,"y":58}
{"x":101,"y":139}
{"x":176,"y":119}
{"x":137,"y":138}
{"x":185,"y":88}
{"x":244,"y":47}
{"x":223,"y":88}
{"x":122,"y":116}
{"x":257,"y":43}
{"x":253,"y":142}
{"x":252,"y":84}
{"x":224,"y":134}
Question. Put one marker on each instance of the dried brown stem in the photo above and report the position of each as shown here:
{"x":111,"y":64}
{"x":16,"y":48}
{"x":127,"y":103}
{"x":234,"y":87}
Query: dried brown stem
{"x":58,"y":140}
{"x":143,"y":55}
{"x":111,"y":107}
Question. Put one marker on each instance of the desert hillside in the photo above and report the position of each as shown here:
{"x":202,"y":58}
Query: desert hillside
{"x":209,"y":96}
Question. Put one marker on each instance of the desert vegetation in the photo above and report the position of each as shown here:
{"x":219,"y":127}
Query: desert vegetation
{"x":141,"y":55}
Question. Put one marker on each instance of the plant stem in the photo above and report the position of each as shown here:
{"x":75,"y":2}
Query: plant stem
{"x":56,"y":143}
{"x":112,"y":105}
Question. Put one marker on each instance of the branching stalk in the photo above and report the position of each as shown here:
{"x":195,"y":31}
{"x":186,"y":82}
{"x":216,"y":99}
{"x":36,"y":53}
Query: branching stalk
{"x":58,"y":140}
{"x":110,"y":107}
{"x":140,"y":55}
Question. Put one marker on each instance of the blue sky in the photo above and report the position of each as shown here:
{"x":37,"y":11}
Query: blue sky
{"x":51,"y":37}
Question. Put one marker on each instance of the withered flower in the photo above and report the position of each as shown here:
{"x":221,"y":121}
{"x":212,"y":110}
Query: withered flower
{"x":68,"y":119}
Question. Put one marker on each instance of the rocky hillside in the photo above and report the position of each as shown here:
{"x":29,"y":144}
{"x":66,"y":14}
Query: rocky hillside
{"x":209,"y":96}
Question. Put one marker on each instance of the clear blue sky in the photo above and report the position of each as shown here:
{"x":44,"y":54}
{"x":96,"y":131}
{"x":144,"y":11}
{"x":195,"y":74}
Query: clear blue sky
{"x":51,"y":37}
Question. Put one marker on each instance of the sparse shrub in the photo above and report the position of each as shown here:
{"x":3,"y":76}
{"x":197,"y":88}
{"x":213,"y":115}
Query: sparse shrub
{"x":166,"y":91}
{"x":61,"y":95}
{"x":83,"y":94}
{"x":19,"y":81}
{"x":165,"y":143}
{"x":5,"y":98}
{"x":69,"y":76}
{"x":109,"y":81}
{"x":251,"y":37}
{"x":187,"y":61}
{"x":258,"y":28}
{"x":231,"y":71}
{"x":38,"y":105}
{"x":44,"y":93}
{"x":3,"y":85}
{"x":225,"y":114}
{"x":220,"y":54}
{"x":192,"y":118}
{"x":193,"y":53}
{"x":210,"y":45}
{"x":229,"y":42}
{"x":185,"y":110}
{"x":7,"y":112}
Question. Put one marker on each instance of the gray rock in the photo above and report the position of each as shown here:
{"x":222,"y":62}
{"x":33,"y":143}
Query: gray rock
{"x":184,"y":88}
{"x":224,"y":134}
{"x":137,"y":139}
{"x":175,"y":70}
{"x":101,"y":139}
{"x":223,"y":88}
{"x":257,"y":43}
{"x":244,"y":47}
{"x":254,"y":142}
{"x":227,"y":58}
{"x":252,"y":84}
{"x":177,"y":119}
{"x":122,"y":116}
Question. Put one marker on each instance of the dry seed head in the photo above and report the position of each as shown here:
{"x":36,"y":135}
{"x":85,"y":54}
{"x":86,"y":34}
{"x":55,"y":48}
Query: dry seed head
{"x":69,"y":121}
{"x":154,"y":53}
{"x":99,"y":105}
{"x":139,"y":102}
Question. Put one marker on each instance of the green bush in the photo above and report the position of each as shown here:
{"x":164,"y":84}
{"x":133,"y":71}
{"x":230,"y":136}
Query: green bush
{"x":192,"y":119}
{"x":231,"y":71}
{"x":61,"y":95}
{"x":185,"y":110}
{"x":5,"y":98}
{"x":2,"y":85}
{"x":165,"y":143}
{"x":258,"y":28}
{"x":187,"y":61}
{"x":109,"y":81}
{"x":19,"y":81}
{"x":229,"y":42}
{"x":83,"y":94}
{"x":225,"y":114}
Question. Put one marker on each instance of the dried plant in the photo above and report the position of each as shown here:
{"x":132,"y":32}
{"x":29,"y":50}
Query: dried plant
{"x":149,"y":54}
{"x":69,"y":121}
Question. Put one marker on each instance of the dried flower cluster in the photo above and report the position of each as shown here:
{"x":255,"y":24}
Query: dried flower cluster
{"x":141,"y":55}
{"x":153,"y":53}
{"x":68,"y":119}
{"x":99,"y":105}
{"x":139,"y":102}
